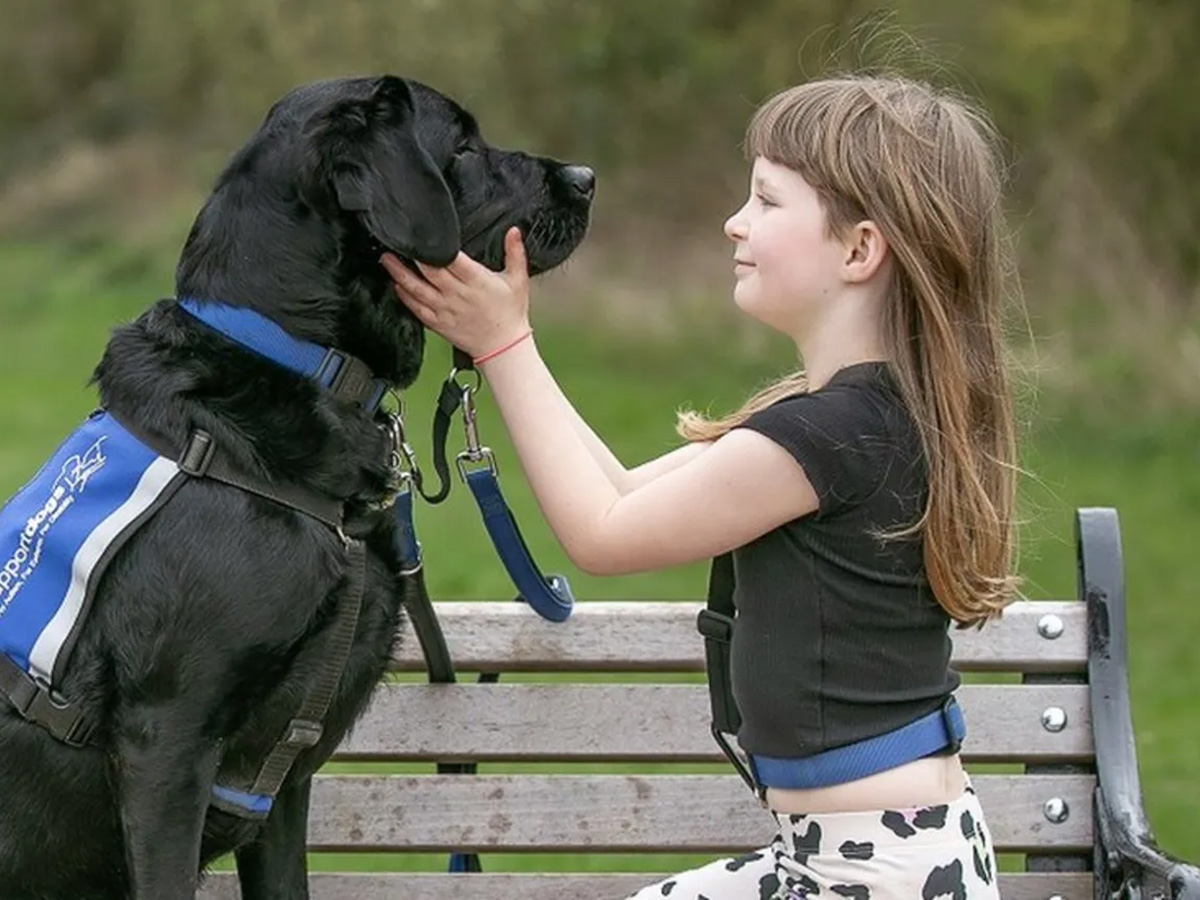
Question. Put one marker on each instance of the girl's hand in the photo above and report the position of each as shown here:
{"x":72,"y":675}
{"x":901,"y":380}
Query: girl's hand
{"x":474,"y":308}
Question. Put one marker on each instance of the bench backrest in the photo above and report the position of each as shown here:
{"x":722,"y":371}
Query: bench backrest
{"x":612,"y":708}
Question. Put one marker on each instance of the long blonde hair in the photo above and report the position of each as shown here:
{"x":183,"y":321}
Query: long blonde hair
{"x":925,"y":168}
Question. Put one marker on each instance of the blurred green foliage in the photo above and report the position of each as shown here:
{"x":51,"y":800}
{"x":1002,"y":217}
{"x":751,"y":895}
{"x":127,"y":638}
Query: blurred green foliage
{"x":1101,"y":87}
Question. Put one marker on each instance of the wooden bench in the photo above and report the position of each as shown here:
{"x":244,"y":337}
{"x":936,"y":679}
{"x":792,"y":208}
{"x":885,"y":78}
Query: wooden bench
{"x":1051,"y":704}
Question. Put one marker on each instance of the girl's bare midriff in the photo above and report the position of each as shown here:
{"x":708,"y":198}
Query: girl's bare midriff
{"x":924,"y":782}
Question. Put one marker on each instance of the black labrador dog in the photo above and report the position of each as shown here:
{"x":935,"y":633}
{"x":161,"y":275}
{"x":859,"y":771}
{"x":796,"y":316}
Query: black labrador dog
{"x":192,"y":658}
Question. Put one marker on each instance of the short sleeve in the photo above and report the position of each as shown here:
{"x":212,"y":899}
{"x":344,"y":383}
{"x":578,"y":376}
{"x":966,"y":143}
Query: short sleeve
{"x":837,"y":435}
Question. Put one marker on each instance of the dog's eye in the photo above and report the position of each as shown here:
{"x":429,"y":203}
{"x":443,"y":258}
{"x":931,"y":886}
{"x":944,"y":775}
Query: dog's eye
{"x":463,"y":150}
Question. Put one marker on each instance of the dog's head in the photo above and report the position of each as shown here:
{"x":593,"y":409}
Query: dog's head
{"x":341,"y":170}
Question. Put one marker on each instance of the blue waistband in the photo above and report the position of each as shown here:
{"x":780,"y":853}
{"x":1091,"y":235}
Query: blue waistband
{"x":929,"y":734}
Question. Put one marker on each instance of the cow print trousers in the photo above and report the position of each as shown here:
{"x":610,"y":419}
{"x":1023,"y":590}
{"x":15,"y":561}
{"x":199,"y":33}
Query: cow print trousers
{"x":926,"y":853}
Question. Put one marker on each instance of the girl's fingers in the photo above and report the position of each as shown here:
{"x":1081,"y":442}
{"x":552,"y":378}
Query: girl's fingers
{"x":466,"y":270}
{"x":516,"y":264}
{"x":411,"y":289}
{"x":425,"y":314}
{"x":462,"y":270}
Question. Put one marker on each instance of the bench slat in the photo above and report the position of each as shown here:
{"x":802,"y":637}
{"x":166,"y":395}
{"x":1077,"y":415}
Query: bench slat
{"x":599,"y":813}
{"x":631,"y":636}
{"x":1069,"y":886}
{"x":624,"y":722}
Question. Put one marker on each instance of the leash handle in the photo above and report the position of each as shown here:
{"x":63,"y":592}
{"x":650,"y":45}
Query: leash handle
{"x":551,"y":596}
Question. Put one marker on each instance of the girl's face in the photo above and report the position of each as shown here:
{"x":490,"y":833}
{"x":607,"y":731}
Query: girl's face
{"x":786,"y":266}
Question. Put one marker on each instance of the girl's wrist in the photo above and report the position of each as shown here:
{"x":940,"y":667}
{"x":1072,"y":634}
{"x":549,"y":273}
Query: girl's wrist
{"x":503,"y":347}
{"x":514,"y":358}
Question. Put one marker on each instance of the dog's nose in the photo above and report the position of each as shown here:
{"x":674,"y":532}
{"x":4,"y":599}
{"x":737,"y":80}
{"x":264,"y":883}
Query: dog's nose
{"x":581,"y":178}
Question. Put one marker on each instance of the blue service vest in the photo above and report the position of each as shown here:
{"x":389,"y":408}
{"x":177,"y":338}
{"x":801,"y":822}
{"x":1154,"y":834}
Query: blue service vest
{"x":58,"y":533}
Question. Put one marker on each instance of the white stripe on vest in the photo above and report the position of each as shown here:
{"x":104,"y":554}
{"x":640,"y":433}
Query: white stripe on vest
{"x":57,"y":532}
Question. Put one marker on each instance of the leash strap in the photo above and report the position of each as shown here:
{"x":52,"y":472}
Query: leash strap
{"x":438,"y":662}
{"x":450,"y":398}
{"x":307,"y":726}
{"x":715,"y":623}
{"x":551,"y":596}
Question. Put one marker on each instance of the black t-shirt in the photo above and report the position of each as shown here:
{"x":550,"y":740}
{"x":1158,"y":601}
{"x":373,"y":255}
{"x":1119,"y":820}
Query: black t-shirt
{"x":838,"y":636}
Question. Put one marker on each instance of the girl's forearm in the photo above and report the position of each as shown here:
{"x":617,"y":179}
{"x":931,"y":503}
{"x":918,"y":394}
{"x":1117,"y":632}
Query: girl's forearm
{"x":567,"y":466}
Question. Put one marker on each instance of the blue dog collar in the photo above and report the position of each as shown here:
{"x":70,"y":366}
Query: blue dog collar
{"x":331,"y":369}
{"x":929,"y":734}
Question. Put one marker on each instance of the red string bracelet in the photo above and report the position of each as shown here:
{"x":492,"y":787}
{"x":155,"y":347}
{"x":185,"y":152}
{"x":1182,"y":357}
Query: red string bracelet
{"x":492,"y":354}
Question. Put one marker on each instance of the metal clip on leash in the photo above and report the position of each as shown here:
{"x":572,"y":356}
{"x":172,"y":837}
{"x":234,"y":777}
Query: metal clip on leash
{"x":474,"y":452}
{"x":403,"y":475}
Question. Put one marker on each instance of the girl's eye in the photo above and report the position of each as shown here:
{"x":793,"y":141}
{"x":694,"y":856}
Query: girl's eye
{"x":765,"y":201}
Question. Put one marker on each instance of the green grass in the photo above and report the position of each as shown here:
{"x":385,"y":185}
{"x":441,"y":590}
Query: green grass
{"x":58,"y":302}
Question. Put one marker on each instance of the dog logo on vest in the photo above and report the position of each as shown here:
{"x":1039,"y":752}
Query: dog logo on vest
{"x":71,"y":481}
{"x":78,"y":469}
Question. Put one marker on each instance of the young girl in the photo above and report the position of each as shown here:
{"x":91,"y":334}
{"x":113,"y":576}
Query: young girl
{"x":867,"y":501}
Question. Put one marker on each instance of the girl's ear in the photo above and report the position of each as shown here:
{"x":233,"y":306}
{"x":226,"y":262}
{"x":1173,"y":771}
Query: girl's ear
{"x":866,"y":249}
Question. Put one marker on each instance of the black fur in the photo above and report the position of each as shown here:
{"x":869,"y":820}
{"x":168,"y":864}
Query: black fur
{"x":188,"y":651}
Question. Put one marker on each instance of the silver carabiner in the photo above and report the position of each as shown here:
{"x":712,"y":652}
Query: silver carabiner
{"x":483,"y":455}
{"x":470,"y":424}
{"x":475,"y":451}
{"x":402,"y":458}
{"x":455,"y":372}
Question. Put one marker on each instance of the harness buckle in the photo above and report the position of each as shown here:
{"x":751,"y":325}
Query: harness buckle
{"x":62,"y":718}
{"x":198,"y":454}
{"x":715,"y":626}
{"x":345,"y":376}
{"x":303,"y":733}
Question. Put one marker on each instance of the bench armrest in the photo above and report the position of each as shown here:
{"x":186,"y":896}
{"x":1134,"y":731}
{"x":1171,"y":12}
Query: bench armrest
{"x":1128,"y":862}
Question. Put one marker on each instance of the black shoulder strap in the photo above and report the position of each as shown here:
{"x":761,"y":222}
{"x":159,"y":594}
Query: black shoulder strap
{"x":716,"y":623}
{"x":201,"y":457}
{"x":305,"y":728}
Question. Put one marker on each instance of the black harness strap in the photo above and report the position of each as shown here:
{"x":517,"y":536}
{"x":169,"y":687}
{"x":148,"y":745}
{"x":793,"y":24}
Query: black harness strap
{"x":305,"y":729}
{"x":201,"y":458}
{"x":716,"y":623}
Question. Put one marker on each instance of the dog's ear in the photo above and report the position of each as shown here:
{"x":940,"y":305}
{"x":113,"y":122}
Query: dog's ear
{"x":377,"y":168}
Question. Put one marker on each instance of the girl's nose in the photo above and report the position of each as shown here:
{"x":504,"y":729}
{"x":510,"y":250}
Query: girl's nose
{"x":735,"y":227}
